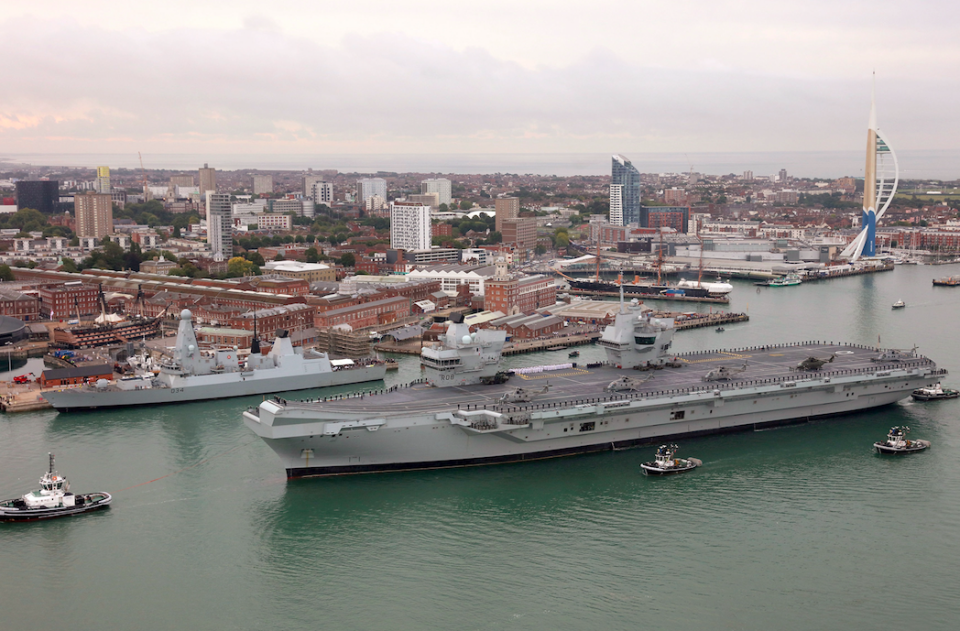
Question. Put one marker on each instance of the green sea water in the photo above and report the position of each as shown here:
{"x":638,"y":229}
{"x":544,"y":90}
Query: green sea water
{"x":801,"y":527}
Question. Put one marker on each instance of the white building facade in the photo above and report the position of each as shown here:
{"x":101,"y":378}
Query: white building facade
{"x":219,"y":225}
{"x":409,"y":226}
{"x":441,"y":186}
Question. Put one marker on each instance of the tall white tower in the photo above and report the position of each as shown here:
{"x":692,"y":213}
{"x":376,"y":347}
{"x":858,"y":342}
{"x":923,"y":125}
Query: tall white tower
{"x":881,"y":175}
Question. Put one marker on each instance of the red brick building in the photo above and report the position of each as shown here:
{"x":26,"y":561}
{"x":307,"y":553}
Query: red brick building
{"x":360,"y":316}
{"x":290,"y":317}
{"x":19,"y":305}
{"x":65,"y":299}
{"x":519,"y":295}
{"x":442,"y":230}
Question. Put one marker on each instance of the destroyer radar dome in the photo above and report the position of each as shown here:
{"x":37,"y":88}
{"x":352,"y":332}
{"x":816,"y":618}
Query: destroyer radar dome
{"x":466,"y":339}
{"x":185,"y":314}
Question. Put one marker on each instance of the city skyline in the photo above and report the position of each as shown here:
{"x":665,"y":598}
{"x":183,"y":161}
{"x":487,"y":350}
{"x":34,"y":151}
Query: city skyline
{"x":705,"y":77}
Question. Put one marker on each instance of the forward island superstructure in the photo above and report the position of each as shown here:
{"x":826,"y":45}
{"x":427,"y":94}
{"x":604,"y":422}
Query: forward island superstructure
{"x":642,"y":394}
{"x":195,"y":374}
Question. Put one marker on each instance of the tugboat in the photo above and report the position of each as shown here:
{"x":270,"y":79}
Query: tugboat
{"x":665,"y":463}
{"x":899,"y":304}
{"x":896,"y":443}
{"x":54,"y":499}
{"x":574,"y":354}
{"x":934,"y":393}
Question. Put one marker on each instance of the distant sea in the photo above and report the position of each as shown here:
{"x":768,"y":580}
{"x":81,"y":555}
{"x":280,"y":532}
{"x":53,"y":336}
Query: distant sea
{"x":944,"y":165}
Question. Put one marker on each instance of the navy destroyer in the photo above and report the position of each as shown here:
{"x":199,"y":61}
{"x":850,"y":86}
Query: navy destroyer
{"x":458,"y":415}
{"x":195,"y":374}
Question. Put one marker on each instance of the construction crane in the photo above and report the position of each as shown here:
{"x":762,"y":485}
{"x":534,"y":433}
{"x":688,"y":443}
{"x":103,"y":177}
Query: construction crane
{"x":143,"y":176}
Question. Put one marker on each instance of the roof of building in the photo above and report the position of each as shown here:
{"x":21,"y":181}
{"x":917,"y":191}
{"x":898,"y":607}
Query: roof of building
{"x":362,"y":306}
{"x":294,"y":266}
{"x":282,"y":309}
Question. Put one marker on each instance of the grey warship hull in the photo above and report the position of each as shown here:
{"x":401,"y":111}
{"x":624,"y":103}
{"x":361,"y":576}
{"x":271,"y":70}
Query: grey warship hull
{"x":206,"y":387}
{"x":420,"y":427}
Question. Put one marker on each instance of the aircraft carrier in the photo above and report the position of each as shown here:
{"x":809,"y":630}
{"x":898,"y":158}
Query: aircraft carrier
{"x":643,"y":393}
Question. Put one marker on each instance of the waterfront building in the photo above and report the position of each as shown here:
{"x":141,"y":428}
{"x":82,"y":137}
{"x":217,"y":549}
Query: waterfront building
{"x":624,"y":190}
{"x":94,"y":212}
{"x":440,"y":186}
{"x":219,"y":225}
{"x":523,"y":294}
{"x":505,"y":208}
{"x":409,"y":226}
{"x":208,"y":179}
{"x":262,"y":184}
{"x":41,"y":195}
{"x":368,"y":187}
{"x":102,"y":184}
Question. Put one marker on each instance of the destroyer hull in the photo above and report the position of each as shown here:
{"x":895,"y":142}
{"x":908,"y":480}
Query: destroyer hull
{"x":206,"y":387}
{"x":314,"y":443}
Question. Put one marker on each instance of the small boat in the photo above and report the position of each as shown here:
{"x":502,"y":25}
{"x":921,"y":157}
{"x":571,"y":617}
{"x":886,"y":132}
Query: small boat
{"x":786,"y":281}
{"x":720,"y":329}
{"x":899,"y":304}
{"x":574,"y":354}
{"x":666,"y":463}
{"x":934,"y":393}
{"x":54,"y":499}
{"x":896,"y":442}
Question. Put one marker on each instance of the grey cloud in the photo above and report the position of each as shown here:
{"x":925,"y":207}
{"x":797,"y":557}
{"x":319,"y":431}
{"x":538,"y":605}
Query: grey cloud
{"x":258,"y":89}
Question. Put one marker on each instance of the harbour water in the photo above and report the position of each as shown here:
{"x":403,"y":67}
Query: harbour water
{"x":795,"y":528}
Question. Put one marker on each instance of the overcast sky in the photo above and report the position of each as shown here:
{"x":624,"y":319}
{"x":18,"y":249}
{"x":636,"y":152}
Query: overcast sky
{"x":491,"y":76}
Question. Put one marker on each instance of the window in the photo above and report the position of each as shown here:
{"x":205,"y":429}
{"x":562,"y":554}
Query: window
{"x":646,"y":340}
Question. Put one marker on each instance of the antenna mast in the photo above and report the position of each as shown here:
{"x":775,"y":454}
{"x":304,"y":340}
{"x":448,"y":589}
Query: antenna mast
{"x":143,"y":178}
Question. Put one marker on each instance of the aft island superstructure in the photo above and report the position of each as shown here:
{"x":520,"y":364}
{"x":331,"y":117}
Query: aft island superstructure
{"x":641,"y":394}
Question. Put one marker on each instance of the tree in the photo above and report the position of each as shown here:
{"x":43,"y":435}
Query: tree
{"x":254,"y":257}
{"x":466,"y":205}
{"x":6,"y":274}
{"x":348,"y":260}
{"x":312,"y":255}
{"x":239,"y":266}
{"x":540,"y":250}
{"x":561,"y":240}
{"x":69,"y":265}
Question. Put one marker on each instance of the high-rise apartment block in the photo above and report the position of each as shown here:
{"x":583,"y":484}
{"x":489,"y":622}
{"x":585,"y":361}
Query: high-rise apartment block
{"x":375,"y":205}
{"x":747,"y":176}
{"x":624,"y":190}
{"x":94,"y":214}
{"x":103,"y":180}
{"x":368,"y":187}
{"x":321,"y":193}
{"x":409,"y":226}
{"x":41,"y":195}
{"x":262,"y":184}
{"x":506,"y":208}
{"x":219,"y":225}
{"x":308,"y":183}
{"x":782,"y":176}
{"x":208,"y":179}
{"x":441,"y":186}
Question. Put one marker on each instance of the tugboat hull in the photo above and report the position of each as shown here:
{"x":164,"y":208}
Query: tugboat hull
{"x":13,"y":510}
{"x":913,"y":447}
{"x":651,"y":468}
